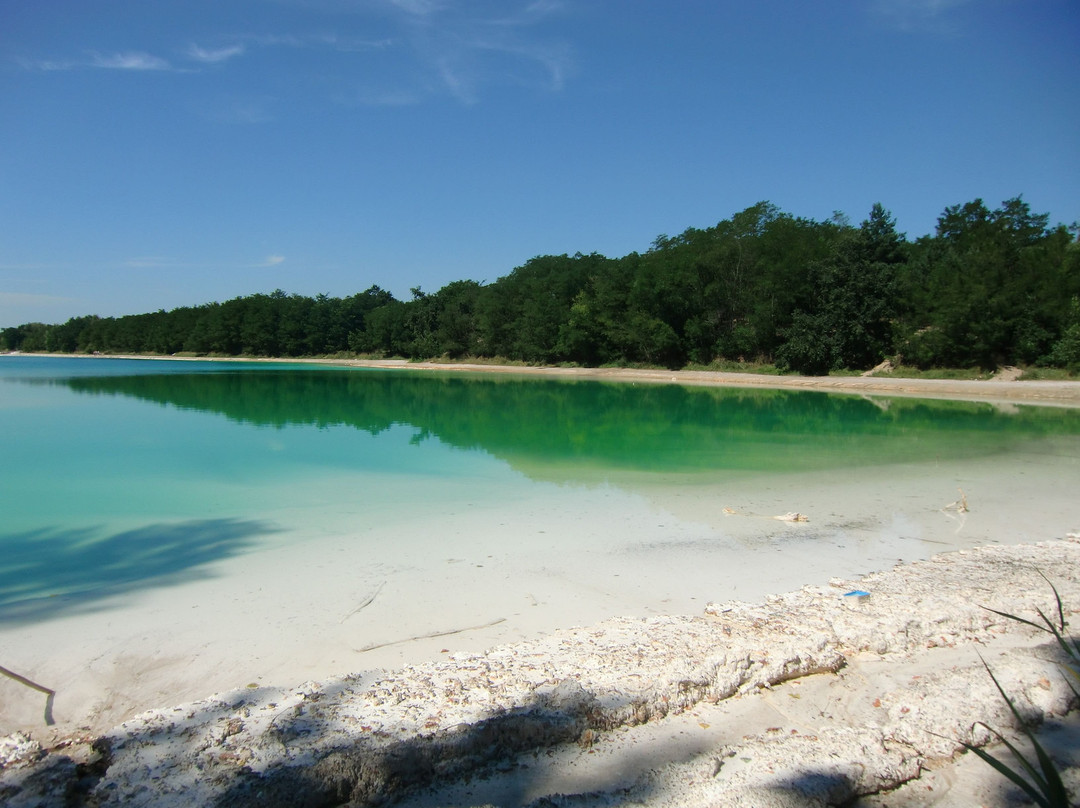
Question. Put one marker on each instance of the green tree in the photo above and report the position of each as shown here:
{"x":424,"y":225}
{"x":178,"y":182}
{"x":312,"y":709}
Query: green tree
{"x":1066,"y":351}
{"x":848,"y":321}
{"x":991,"y":287}
{"x":456,"y":330}
{"x":353,"y":317}
{"x":521,"y":314}
{"x":385,"y":331}
{"x":29,"y":337}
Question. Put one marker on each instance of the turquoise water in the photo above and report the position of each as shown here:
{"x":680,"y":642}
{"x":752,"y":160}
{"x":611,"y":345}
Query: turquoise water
{"x":116,"y":473}
{"x":130,"y":444}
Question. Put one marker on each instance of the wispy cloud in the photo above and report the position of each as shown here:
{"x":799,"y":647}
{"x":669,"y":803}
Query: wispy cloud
{"x":36,"y":266}
{"x":326,"y":40}
{"x":457,"y":80}
{"x":28,"y":299}
{"x":26,"y":307}
{"x":377,"y":97}
{"x":424,"y":48}
{"x":132,"y":60}
{"x":45,"y":64}
{"x":168,"y":262}
{"x":469,"y":51}
{"x":129,"y":60}
{"x":150,"y":262}
{"x":910,"y":15}
{"x":213,"y":55}
{"x":419,"y":8}
{"x":253,"y":109}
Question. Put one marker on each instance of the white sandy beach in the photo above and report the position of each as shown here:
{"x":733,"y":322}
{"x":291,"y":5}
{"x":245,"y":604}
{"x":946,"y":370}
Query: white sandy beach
{"x":433,"y":590}
{"x":810,"y":698}
{"x":329,"y":604}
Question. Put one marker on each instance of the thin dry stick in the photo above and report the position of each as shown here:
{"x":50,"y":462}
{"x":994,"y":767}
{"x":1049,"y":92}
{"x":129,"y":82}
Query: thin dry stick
{"x":430,"y":636}
{"x":365,"y":603}
{"x":49,"y":694}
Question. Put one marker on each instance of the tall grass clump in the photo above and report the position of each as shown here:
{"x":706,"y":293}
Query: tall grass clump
{"x":1038,"y":778}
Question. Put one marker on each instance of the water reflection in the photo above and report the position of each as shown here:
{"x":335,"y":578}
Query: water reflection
{"x":659,"y":428}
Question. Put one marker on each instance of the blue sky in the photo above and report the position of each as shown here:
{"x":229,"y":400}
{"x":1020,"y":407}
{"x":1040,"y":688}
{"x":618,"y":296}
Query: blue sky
{"x":175,"y":152}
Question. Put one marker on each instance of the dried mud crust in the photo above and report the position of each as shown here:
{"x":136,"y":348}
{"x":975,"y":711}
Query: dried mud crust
{"x":903,"y":661}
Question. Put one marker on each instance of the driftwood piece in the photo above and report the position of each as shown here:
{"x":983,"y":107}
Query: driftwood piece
{"x":366,"y":602}
{"x":49,"y":694}
{"x":961,"y":505}
{"x":430,"y":636}
{"x":791,"y":516}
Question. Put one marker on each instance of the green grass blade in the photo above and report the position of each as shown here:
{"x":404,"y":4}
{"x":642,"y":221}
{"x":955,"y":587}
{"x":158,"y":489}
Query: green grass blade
{"x":1074,"y":652}
{"x":1051,"y":784}
{"x":1044,"y":760}
{"x":1057,"y":597}
{"x":1075,"y":675}
{"x":1049,"y":780}
{"x":1046,"y":787}
{"x":1018,"y":619}
{"x":1011,"y":774}
{"x":1071,"y":653}
{"x":1019,"y":718}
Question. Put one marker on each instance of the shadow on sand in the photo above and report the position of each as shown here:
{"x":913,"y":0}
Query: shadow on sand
{"x":47,"y":572}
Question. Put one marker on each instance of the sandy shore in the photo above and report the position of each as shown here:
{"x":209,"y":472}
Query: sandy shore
{"x":458,"y":664}
{"x":1064,"y":393}
{"x":816,"y":697}
{"x":502,"y":565}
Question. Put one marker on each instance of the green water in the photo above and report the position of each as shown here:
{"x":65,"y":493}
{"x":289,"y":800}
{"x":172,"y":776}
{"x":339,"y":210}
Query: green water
{"x":116,"y":473}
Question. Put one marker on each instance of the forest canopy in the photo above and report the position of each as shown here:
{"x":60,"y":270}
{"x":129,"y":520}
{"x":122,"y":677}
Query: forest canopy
{"x":988,"y":288}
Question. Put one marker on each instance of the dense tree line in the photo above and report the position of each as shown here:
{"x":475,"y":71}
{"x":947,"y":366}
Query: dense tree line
{"x":989,"y":287}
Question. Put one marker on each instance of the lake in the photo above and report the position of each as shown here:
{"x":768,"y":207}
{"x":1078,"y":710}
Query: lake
{"x":172,"y":527}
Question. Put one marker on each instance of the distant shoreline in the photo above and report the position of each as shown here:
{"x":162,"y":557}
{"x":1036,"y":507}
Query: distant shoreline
{"x":1050,"y":393}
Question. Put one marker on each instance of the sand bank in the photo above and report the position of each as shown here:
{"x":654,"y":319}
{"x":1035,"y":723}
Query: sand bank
{"x":1047,"y":392}
{"x":1061,"y":393}
{"x":809,"y":698}
{"x":351,"y":596}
